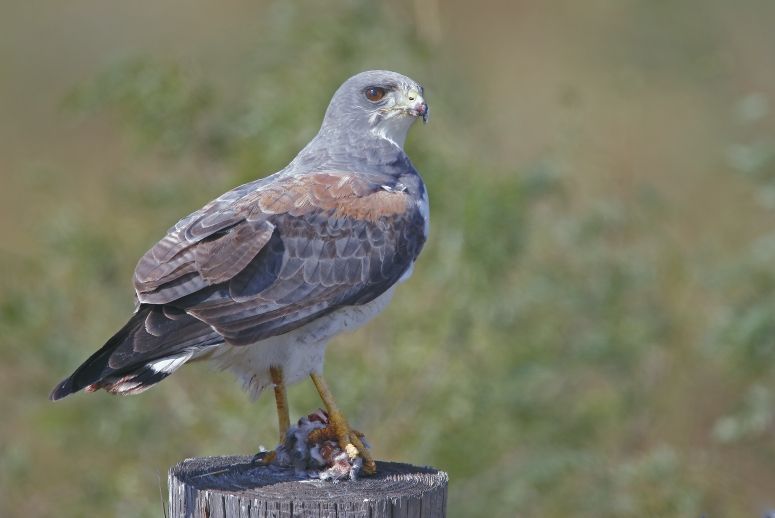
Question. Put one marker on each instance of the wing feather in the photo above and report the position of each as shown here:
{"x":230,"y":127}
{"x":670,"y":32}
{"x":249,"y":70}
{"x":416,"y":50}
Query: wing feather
{"x":282,"y":254}
{"x":257,"y":262}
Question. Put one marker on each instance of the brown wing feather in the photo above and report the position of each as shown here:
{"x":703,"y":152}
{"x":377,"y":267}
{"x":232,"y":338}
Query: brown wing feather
{"x":343,"y":193}
{"x":284,"y":254}
{"x":257,"y":262}
{"x":216,"y":243}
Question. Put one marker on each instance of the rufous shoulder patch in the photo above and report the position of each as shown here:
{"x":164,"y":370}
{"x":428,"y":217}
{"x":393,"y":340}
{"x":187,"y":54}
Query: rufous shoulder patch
{"x":345,"y":194}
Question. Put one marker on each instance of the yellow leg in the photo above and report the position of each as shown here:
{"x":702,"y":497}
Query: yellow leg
{"x":281,"y":399}
{"x":283,"y":419}
{"x":348,"y":440}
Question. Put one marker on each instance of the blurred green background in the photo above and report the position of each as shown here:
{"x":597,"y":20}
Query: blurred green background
{"x":590,"y":331}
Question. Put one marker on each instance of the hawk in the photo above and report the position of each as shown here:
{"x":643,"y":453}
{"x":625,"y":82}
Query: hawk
{"x":261,"y":278}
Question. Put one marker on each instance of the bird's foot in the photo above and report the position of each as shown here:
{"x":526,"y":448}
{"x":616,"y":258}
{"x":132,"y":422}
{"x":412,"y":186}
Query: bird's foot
{"x":322,"y":449}
{"x":265,"y":457}
{"x":328,"y":433}
{"x":357,"y":448}
{"x":350,"y":442}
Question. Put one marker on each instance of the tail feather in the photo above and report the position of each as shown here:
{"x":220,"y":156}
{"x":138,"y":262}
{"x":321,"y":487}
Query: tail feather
{"x":138,"y":355}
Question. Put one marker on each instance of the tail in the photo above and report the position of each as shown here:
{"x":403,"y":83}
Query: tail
{"x":155,"y":342}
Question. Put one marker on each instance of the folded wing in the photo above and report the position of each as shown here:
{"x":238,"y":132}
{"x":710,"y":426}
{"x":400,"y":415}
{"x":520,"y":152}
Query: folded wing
{"x":284,"y":254}
{"x":260,"y":264}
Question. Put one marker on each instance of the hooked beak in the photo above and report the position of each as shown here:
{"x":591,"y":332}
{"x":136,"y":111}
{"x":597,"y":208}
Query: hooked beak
{"x":416,"y":105}
{"x":422,"y":110}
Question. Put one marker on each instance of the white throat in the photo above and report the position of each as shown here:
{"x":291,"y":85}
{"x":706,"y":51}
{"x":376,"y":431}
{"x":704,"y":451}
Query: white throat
{"x":394,"y":129}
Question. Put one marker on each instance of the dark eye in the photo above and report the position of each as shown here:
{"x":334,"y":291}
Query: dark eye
{"x":374,"y":93}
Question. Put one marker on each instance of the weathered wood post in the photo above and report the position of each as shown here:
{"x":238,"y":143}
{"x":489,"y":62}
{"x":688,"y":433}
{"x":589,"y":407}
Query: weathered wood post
{"x":236,"y":487}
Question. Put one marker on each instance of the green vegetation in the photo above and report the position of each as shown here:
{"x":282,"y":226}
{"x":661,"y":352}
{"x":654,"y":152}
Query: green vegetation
{"x":590,"y":331}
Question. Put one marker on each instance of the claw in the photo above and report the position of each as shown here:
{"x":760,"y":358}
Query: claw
{"x":351,"y":451}
{"x":265,"y":457}
{"x":369,"y":466}
{"x":343,"y":434}
{"x":319,"y":435}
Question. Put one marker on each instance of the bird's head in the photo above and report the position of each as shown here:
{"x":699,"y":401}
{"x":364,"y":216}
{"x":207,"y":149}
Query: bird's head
{"x":376,"y":104}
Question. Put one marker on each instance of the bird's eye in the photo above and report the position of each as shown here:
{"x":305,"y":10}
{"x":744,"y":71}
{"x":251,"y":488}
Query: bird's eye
{"x":374,"y":93}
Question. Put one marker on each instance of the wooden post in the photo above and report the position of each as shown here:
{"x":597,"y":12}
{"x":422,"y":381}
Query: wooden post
{"x":235,"y":487}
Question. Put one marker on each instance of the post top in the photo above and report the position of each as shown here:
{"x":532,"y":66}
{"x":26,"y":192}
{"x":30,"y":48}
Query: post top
{"x":239,"y":480}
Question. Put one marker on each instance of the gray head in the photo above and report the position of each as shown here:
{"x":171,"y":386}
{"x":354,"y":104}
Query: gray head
{"x":375,"y":104}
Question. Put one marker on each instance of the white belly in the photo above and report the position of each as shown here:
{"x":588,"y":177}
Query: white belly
{"x":299,"y":352}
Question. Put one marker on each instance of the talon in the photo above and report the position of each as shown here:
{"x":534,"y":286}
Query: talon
{"x":319,"y":435}
{"x":265,"y":457}
{"x":347,"y":438}
{"x":351,"y":451}
{"x":369,"y":468}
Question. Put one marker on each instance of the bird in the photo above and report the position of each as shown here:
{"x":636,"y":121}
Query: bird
{"x":261,"y":278}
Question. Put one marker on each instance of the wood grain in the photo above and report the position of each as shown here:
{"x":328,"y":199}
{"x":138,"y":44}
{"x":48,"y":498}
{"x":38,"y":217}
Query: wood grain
{"x":235,"y":487}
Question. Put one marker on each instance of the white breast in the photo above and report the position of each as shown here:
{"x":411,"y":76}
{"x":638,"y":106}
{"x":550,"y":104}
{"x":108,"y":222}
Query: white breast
{"x":425,"y":210}
{"x":299,"y":352}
